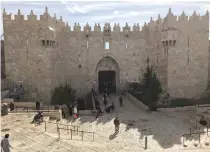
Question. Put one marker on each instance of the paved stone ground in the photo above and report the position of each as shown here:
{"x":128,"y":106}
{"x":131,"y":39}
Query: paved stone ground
{"x":164,"y":132}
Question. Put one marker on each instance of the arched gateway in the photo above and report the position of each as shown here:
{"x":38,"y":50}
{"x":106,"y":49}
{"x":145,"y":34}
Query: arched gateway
{"x":108,"y":73}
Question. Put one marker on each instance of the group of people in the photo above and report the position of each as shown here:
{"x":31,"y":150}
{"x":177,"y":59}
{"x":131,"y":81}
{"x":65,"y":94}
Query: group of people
{"x":108,"y":107}
{"x":70,"y":109}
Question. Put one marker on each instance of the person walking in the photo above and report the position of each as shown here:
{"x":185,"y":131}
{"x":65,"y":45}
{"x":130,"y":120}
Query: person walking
{"x":12,"y":106}
{"x":69,"y":109}
{"x":105,"y":102}
{"x":116,"y":124}
{"x":63,"y":112}
{"x":97,"y":113}
{"x":121,"y":101}
{"x":37,"y":105}
{"x":5,"y":145}
{"x":112,"y":106}
{"x":75,"y":112}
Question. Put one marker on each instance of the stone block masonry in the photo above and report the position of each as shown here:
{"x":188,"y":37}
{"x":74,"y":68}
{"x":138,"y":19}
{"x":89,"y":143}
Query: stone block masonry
{"x":47,"y":52}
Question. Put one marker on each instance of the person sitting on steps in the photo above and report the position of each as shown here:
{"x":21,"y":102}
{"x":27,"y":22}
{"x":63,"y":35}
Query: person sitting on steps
{"x":203,"y":121}
{"x":38,"y":118}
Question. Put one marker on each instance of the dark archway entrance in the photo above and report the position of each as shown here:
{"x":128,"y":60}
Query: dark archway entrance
{"x":107,"y":79}
{"x":107,"y":75}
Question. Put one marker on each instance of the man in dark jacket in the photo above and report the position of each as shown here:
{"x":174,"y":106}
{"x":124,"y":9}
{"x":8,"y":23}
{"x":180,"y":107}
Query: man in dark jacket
{"x":37,"y":105}
{"x":116,"y":124}
{"x":12,"y":106}
{"x":121,"y":101}
{"x":105,"y":102}
{"x":70,"y":109}
{"x":63,"y":112}
{"x":38,"y":118}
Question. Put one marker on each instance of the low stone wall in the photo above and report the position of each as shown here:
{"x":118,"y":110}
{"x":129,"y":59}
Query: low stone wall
{"x":136,"y":102}
{"x":4,"y":93}
{"x":7,"y":100}
{"x":21,"y":104}
{"x":187,"y":108}
{"x":52,"y":113}
{"x":27,"y":104}
{"x":87,"y":112}
{"x":196,"y":108}
{"x":55,"y":114}
{"x":203,"y":109}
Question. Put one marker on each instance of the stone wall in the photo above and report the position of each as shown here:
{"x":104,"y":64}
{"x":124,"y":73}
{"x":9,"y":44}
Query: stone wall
{"x":188,"y":60}
{"x":47,"y":52}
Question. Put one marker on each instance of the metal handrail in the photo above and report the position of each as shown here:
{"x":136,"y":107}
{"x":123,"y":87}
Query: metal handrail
{"x":68,"y":129}
{"x":194,"y":133}
{"x":75,"y":126}
{"x":82,"y":133}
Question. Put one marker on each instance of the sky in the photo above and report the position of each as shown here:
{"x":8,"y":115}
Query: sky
{"x":130,"y":11}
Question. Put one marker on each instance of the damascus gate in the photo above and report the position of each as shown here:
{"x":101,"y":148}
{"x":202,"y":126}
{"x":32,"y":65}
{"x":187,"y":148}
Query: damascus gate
{"x":44,"y":52}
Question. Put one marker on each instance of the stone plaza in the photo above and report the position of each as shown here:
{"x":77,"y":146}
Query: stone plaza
{"x":164,"y":131}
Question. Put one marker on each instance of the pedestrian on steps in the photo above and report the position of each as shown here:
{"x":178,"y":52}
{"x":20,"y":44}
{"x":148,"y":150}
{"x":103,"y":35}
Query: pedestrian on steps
{"x":75,"y":112}
{"x":63,"y":112}
{"x":37,"y":105}
{"x":105,"y":102}
{"x":116,"y":124}
{"x":121,"y":101}
{"x":5,"y":145}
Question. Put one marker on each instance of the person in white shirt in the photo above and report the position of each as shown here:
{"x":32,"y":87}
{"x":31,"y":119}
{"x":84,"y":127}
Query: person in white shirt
{"x":5,"y":145}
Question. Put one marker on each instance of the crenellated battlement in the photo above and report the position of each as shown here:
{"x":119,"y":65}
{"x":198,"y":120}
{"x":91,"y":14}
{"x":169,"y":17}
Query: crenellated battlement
{"x":45,"y":17}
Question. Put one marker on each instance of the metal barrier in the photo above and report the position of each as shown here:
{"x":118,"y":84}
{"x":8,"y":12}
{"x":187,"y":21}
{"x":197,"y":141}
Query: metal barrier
{"x":78,"y":131}
{"x":69,"y":129}
{"x":194,"y":133}
{"x":76,"y":128}
{"x":190,"y":134}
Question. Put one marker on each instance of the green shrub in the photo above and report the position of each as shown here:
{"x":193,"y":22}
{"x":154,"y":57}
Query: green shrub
{"x":63,"y":95}
{"x":151,"y":87}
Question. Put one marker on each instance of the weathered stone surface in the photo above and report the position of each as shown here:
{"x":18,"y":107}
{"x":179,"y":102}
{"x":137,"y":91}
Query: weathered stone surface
{"x":163,"y":129}
{"x":46,"y":53}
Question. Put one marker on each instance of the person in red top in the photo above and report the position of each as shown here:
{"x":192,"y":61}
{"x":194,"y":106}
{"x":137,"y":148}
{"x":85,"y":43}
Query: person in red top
{"x":116,"y":124}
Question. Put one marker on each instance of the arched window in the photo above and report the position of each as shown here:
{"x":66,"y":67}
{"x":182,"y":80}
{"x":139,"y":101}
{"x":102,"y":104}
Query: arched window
{"x":107,"y":45}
